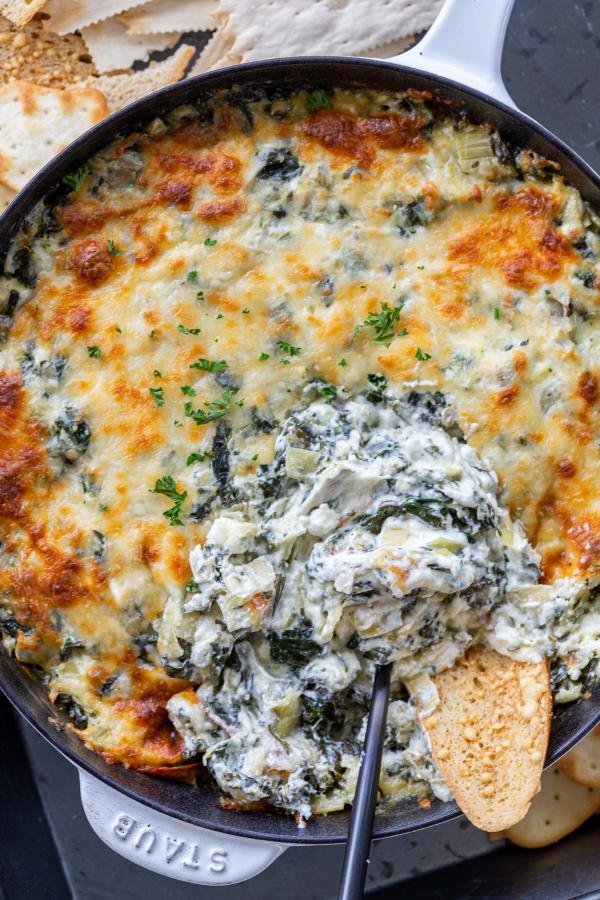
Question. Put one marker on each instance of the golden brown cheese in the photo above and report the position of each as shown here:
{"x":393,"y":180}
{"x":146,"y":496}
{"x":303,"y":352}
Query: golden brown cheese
{"x":264,"y":236}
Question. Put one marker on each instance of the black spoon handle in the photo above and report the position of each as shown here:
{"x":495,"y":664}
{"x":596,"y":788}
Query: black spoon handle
{"x":354,"y":870}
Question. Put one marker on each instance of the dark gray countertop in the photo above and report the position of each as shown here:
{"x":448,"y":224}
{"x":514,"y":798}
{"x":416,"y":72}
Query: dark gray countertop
{"x":550,"y":65}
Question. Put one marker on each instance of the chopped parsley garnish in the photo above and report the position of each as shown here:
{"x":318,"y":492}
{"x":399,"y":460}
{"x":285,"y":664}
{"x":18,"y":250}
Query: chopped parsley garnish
{"x":188,"y":390}
{"x":75,"y":179}
{"x":215,"y":409}
{"x":192,"y":586}
{"x":317,"y":100}
{"x":383,"y":323}
{"x":112,"y":248}
{"x":192,"y":276}
{"x":496,"y":314}
{"x":402,"y":333}
{"x":255,"y":457}
{"x":118,"y":329}
{"x":167,"y":486}
{"x":421,"y":355}
{"x":329,"y":392}
{"x":287,"y":348}
{"x":200,"y":295}
{"x":177,"y":423}
{"x":263,"y":357}
{"x":94,"y":352}
{"x":343,"y":362}
{"x":198,"y":456}
{"x":219,"y":316}
{"x":157,"y":373}
{"x":420,"y":268}
{"x":246,"y":311}
{"x":185,"y":330}
{"x":103,"y":507}
{"x":210,"y":242}
{"x":158,"y":395}
{"x":209,"y":365}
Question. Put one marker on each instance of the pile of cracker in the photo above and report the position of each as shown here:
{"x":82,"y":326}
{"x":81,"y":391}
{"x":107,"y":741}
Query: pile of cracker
{"x":66,"y":64}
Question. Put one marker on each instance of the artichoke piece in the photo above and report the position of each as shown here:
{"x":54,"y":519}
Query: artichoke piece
{"x":472,"y":144}
{"x":299,"y":462}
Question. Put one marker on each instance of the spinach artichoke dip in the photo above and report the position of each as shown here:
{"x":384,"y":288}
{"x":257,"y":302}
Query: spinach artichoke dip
{"x":293,"y":383}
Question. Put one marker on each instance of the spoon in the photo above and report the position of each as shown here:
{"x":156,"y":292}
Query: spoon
{"x":356,"y":859}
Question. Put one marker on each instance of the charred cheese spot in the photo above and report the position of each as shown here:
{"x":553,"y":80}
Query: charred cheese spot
{"x":91,"y":260}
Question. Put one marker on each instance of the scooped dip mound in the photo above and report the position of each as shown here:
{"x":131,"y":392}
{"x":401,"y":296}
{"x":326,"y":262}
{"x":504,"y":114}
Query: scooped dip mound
{"x":375,"y":535}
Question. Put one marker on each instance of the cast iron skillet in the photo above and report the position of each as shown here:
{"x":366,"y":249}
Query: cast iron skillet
{"x":200,"y":807}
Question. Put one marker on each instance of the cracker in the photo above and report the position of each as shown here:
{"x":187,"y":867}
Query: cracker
{"x":32,"y":54}
{"x":6,"y":195}
{"x":72,"y":15}
{"x":214,"y":54}
{"x":120,"y":90}
{"x":582,"y":764}
{"x":20,"y":11}
{"x":489,"y":734}
{"x":561,"y":806}
{"x":170,"y":15}
{"x":300,"y":26}
{"x":112,"y":47}
{"x":37,"y":122}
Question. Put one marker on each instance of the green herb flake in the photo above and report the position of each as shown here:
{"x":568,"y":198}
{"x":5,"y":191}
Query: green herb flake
{"x":185,"y":330}
{"x":200,"y":295}
{"x":383,"y":323}
{"x":219,"y":316}
{"x":215,"y":409}
{"x":192,"y":276}
{"x":287,"y":348}
{"x":177,"y":423}
{"x":420,"y":268}
{"x":188,"y":390}
{"x":421,"y":355}
{"x":192,"y":586}
{"x":255,"y":457}
{"x":496,"y":314}
{"x":246,"y":311}
{"x":210,"y":242}
{"x":329,"y":392}
{"x":263,"y":357}
{"x":158,"y":395}
{"x":94,"y":352}
{"x":157,"y":373}
{"x":317,"y":100}
{"x":198,"y":456}
{"x":343,"y":362}
{"x":118,"y":329}
{"x":167,"y":486}
{"x":74,"y":180}
{"x":103,"y":507}
{"x":112,"y":248}
{"x":209,"y":365}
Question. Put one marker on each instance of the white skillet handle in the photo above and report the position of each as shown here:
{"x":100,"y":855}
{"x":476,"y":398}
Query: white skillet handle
{"x":169,"y":846}
{"x":465,"y":44}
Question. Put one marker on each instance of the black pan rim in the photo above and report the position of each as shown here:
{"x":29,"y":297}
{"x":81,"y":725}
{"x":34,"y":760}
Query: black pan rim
{"x":318,"y":70}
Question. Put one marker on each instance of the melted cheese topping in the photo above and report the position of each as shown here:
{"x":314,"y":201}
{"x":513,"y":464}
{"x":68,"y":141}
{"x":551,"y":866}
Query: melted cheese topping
{"x":179,"y":300}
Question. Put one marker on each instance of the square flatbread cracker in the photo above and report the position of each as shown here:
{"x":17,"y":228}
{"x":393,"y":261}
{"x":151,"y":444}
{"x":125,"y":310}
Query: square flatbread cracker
{"x":171,"y":15}
{"x":319,"y":27}
{"x":112,"y":47}
{"x":20,"y":11}
{"x":120,"y":90}
{"x":37,"y":122}
{"x":73,"y":15}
